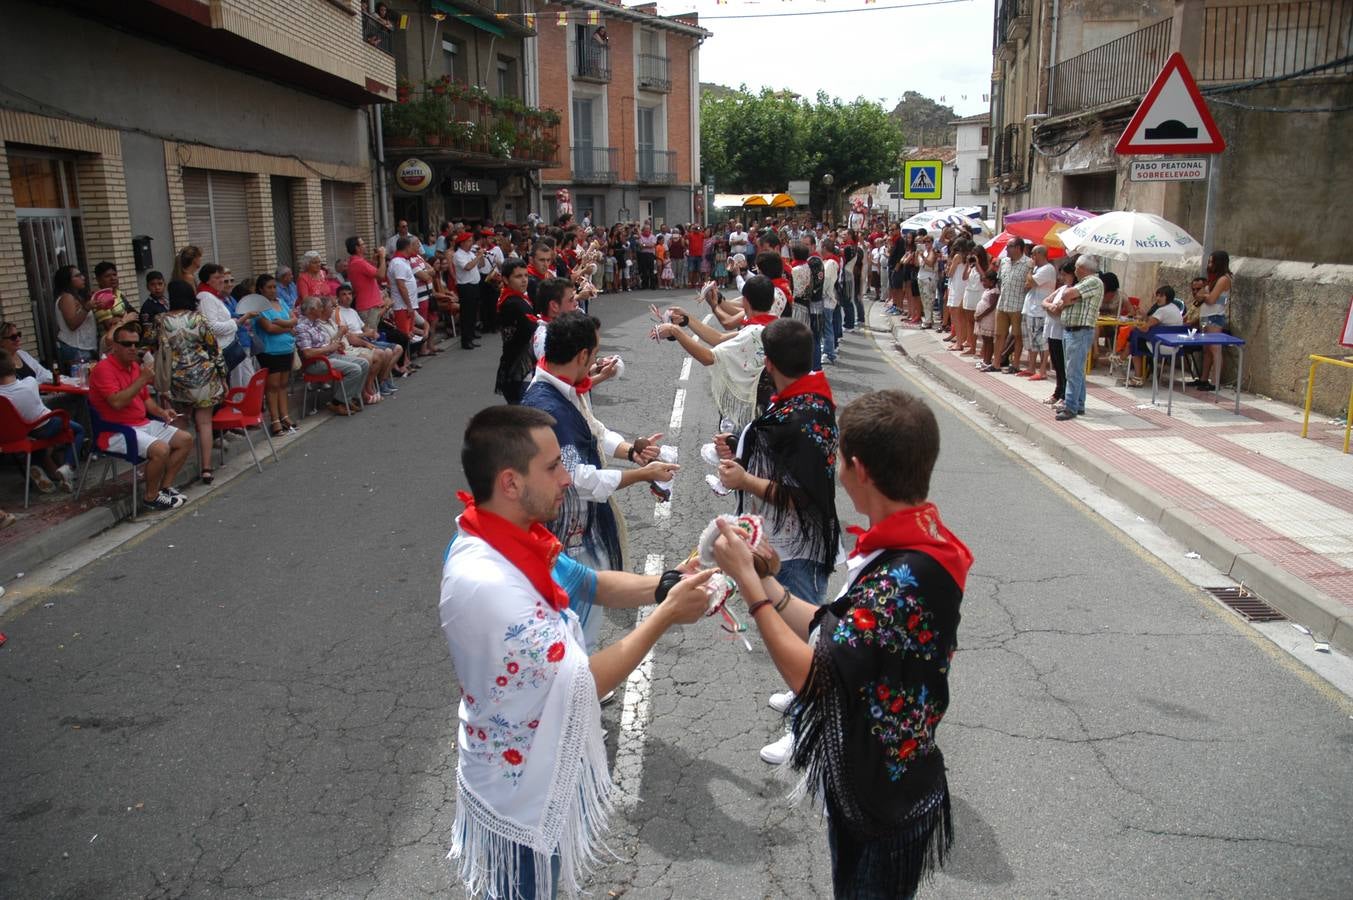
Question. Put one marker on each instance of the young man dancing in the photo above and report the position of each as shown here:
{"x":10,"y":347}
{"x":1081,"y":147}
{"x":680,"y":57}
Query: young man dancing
{"x":532,"y":784}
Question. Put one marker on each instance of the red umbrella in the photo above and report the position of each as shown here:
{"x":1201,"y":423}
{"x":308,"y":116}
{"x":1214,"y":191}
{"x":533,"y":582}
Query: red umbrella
{"x":996,"y":246}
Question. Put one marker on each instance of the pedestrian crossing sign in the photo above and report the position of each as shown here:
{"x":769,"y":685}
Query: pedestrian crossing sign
{"x":923,"y":180}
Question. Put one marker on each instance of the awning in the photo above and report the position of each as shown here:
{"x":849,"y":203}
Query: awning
{"x":461,"y":15}
{"x":782,"y":201}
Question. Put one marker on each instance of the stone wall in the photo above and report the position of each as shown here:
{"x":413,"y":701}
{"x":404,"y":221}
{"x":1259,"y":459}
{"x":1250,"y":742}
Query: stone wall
{"x":1285,"y":311}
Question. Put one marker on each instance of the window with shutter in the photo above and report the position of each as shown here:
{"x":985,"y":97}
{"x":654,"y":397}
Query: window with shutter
{"x":340,"y":217}
{"x":218,"y":218}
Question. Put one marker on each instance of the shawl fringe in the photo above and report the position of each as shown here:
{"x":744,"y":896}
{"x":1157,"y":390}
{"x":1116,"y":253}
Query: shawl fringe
{"x":908,"y":857}
{"x":577,"y":816}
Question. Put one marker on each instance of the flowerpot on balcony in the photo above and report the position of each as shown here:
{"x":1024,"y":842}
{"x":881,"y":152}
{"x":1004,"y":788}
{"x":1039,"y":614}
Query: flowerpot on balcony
{"x":400,"y":140}
{"x":439,"y":89}
{"x":433,"y":139}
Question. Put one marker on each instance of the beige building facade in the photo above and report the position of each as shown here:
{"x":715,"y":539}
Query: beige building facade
{"x":1068,"y":75}
{"x":129,"y":130}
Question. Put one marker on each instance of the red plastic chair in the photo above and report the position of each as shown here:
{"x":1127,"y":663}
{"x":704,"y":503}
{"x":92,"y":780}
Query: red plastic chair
{"x":317,"y":381}
{"x":242,"y":408}
{"x":14,"y":438}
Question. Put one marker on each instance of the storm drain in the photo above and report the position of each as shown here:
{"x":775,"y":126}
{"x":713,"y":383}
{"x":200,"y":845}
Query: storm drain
{"x":1243,"y":602}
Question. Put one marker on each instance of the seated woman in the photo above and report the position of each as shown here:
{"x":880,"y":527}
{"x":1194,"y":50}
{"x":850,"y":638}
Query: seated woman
{"x":362,"y":344}
{"x":56,"y":465}
{"x":1164,"y":311}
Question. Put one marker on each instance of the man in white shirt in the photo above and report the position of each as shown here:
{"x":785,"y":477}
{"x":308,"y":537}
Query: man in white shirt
{"x":491,"y":283}
{"x":831,"y":270}
{"x":588,"y":523}
{"x":468,"y":261}
{"x":404,"y":285}
{"x":1040,"y":282}
{"x":403,"y":232}
{"x":737,"y":240}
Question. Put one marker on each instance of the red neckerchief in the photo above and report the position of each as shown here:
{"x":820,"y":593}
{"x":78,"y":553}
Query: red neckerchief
{"x":532,"y":551}
{"x":794,"y":264}
{"x":581,"y":386}
{"x":203,"y":286}
{"x":762,"y":319}
{"x":831,"y":256}
{"x":783,"y":284}
{"x":917,"y":528}
{"x":508,"y":292}
{"x":535,"y":273}
{"x":812,"y":383}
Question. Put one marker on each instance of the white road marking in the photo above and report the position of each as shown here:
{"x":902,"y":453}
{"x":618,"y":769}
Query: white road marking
{"x":678,"y":408}
{"x":629,"y":754}
{"x":685,"y":369}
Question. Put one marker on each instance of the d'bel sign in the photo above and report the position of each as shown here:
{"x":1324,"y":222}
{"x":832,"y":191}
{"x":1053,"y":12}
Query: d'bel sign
{"x":470,"y":186}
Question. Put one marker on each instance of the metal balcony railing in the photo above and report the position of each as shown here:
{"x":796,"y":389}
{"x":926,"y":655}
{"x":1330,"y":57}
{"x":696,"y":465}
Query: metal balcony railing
{"x":595,"y":165}
{"x":979,"y":186}
{"x":656,"y":167}
{"x":1274,"y":39}
{"x":377,"y":33}
{"x":592,"y":61}
{"x":1009,"y":157}
{"x":1012,"y":21}
{"x":653,"y":74}
{"x":1118,"y":70}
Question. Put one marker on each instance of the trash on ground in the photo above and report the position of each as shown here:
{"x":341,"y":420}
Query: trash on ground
{"x":1320,"y":647}
{"x":1302,"y":628}
{"x":1192,"y":555}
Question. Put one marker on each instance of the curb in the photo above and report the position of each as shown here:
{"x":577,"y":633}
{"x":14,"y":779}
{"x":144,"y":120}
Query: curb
{"x":52,"y":542}
{"x":1299,"y":601}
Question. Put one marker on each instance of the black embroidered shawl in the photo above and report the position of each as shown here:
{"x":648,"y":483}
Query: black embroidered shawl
{"x":793,"y":444}
{"x":515,"y":364}
{"x":865,"y":721}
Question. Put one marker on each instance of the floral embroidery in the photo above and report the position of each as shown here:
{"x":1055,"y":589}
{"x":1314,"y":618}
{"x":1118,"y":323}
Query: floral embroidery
{"x":903,"y":721}
{"x":825,"y":436}
{"x":890,"y":615}
{"x":504,"y":743}
{"x":556,"y":652}
{"x":531,"y":646}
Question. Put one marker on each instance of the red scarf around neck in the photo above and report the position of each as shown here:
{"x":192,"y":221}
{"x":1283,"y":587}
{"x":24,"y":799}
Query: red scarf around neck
{"x":812,"y":383}
{"x":760,"y":319}
{"x":532,"y":551}
{"x":508,"y":292}
{"x":534,"y":272}
{"x":783,"y":284}
{"x":917,"y":528}
{"x":581,"y":386}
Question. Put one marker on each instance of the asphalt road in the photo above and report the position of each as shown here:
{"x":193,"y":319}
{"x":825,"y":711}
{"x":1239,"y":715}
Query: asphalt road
{"x":254,"y":699}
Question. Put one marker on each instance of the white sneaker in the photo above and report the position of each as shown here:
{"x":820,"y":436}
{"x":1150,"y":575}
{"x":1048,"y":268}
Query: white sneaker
{"x":780,"y":701}
{"x":779,"y":752}
{"x":68,"y":477}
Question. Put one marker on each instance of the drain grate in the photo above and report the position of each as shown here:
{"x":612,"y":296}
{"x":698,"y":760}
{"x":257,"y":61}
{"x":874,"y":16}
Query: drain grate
{"x":1244,"y":602}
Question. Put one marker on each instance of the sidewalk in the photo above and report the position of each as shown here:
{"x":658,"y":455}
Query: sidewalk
{"x":1247,"y":492}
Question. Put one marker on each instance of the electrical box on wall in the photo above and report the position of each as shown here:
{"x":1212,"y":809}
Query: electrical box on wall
{"x":141,"y":252}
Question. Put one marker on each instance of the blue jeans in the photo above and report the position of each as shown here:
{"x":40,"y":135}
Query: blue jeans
{"x":838,"y":317}
{"x":526,"y":879}
{"x":831,"y":324}
{"x":51,"y":427}
{"x":1076,"y":347}
{"x":805,"y":579}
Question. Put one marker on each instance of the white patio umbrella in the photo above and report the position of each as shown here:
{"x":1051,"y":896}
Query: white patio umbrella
{"x":1131,"y":236}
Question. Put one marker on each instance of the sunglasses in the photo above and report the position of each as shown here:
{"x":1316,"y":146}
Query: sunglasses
{"x":126,"y":343}
{"x":14,"y":336}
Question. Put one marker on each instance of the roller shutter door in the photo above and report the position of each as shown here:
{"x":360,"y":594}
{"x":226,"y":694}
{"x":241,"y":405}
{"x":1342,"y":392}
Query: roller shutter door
{"x":218,"y":218}
{"x":340,"y":217}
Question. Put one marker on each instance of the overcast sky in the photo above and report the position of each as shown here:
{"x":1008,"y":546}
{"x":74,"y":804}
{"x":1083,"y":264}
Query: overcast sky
{"x":941,"y":51}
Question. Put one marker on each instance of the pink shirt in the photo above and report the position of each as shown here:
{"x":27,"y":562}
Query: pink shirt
{"x":308,"y":285}
{"x":366,"y":292}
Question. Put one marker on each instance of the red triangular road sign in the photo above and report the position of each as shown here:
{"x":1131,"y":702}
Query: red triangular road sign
{"x":1172,"y":117}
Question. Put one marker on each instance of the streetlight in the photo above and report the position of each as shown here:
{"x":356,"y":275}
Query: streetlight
{"x":827,"y":181}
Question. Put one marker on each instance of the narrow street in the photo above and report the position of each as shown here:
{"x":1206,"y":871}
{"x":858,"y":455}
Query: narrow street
{"x":254,"y":699}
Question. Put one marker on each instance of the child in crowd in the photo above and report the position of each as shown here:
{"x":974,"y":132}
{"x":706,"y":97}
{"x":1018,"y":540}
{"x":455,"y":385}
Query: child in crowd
{"x":720,"y":263}
{"x":155,"y":305}
{"x":985,"y":319}
{"x":665,"y":279}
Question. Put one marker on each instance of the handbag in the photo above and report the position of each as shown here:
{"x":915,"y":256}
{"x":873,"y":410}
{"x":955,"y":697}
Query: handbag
{"x":234,"y":355}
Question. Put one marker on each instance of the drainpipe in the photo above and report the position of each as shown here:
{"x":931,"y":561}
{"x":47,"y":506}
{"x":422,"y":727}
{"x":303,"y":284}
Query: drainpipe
{"x":1050,"y":31}
{"x":382,"y":223}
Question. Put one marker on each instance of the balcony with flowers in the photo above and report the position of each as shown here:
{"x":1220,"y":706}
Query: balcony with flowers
{"x":449,"y":118}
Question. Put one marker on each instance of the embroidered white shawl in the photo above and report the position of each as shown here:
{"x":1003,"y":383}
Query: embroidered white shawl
{"x":733,"y":378}
{"x":531,"y":759}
